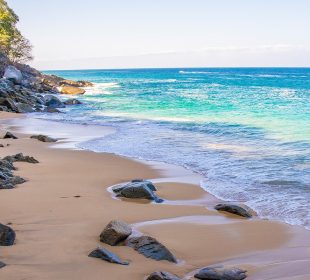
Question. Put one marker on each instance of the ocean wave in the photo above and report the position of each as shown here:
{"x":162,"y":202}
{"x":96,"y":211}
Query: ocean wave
{"x":102,"y":88}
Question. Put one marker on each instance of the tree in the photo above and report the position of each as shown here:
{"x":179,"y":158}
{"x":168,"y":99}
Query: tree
{"x":12,"y":42}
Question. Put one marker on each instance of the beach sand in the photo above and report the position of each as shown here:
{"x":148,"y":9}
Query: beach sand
{"x":59,"y":213}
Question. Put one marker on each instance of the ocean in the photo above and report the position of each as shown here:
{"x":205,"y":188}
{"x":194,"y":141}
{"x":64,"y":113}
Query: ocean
{"x":246,"y":130}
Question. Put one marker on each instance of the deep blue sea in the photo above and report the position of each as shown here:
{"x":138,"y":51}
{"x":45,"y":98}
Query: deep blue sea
{"x":246,"y":130}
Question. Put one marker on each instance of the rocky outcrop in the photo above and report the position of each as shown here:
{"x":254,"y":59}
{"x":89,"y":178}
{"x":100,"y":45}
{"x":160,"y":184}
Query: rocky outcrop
{"x":150,"y":248}
{"x":115,"y":232}
{"x":104,"y":254}
{"x":221,"y":273}
{"x":76,"y":83}
{"x":162,"y":275}
{"x":71,"y":90}
{"x":13,"y":74}
{"x":43,"y":138}
{"x":234,"y":209}
{"x":7,"y":235}
{"x":137,"y":189}
{"x":20,"y":157}
{"x":72,"y":101}
{"x":51,"y":101}
{"x":9,"y":135}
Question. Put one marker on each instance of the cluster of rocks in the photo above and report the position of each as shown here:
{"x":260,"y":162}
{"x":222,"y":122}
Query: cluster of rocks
{"x":23,"y":89}
{"x":7,"y":179}
{"x":137,"y":189}
{"x":119,"y":233}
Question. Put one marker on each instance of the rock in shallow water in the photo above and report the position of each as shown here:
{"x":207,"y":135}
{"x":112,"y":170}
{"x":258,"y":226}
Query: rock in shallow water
{"x":104,"y":254}
{"x":7,"y":235}
{"x":73,"y":101}
{"x":162,"y":275}
{"x":43,"y":138}
{"x":115,"y":232}
{"x":150,"y":248}
{"x":234,"y":209}
{"x":70,"y":90}
{"x":221,"y":273}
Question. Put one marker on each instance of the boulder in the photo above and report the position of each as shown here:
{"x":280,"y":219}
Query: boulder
{"x":115,"y":232}
{"x":104,"y":254}
{"x":10,"y":135}
{"x":72,"y":101}
{"x":70,"y":90}
{"x":43,"y":138}
{"x":221,"y":273}
{"x":21,"y":157}
{"x":2,"y":264}
{"x":150,"y":248}
{"x":23,"y":108}
{"x":234,"y":209}
{"x":13,"y":74}
{"x":7,"y":236}
{"x":135,"y":183}
{"x":162,"y":275}
{"x":52,"y":101}
{"x":137,"y":190}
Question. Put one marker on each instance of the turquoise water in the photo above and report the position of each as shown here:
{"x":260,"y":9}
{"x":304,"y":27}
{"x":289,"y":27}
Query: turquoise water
{"x":247,"y":130}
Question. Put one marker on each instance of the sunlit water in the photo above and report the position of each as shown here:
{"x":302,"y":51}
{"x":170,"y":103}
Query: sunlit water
{"x":246,"y":130}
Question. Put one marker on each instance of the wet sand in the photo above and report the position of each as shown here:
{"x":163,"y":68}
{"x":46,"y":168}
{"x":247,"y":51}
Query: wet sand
{"x":60,"y":211}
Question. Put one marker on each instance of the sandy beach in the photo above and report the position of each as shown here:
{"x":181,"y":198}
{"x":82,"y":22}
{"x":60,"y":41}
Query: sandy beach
{"x":59,"y":213}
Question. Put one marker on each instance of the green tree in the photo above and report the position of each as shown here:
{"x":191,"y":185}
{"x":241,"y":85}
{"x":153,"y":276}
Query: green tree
{"x":12,"y":43}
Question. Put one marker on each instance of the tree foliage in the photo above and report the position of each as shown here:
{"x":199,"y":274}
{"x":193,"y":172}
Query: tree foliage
{"x":12,"y":42}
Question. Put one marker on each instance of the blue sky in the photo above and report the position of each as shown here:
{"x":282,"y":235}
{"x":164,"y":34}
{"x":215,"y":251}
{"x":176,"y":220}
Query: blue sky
{"x":70,"y":34}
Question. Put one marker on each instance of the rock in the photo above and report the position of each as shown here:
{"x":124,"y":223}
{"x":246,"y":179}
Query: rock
{"x":7,"y":236}
{"x":13,"y":74}
{"x":1,"y":146}
{"x":20,"y":157}
{"x":23,"y":108}
{"x":52,"y":101}
{"x":75,"y":83}
{"x":135,"y":183}
{"x":51,"y":110}
{"x":234,"y":209}
{"x":162,"y":275}
{"x":150,"y":248}
{"x":115,"y":232}
{"x":73,"y":101}
{"x":10,"y":135}
{"x":70,"y":90}
{"x":104,"y":254}
{"x":221,"y":273}
{"x":43,"y":138}
{"x":2,"y":265}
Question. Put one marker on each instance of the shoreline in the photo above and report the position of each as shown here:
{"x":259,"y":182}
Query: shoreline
{"x":249,"y":244}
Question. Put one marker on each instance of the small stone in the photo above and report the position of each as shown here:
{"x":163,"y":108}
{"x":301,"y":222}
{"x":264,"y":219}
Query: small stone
{"x":43,"y":138}
{"x":115,"y":232}
{"x":162,"y":275}
{"x":9,"y":135}
{"x":7,"y":235}
{"x":221,"y":273}
{"x":234,"y":209}
{"x":104,"y":254}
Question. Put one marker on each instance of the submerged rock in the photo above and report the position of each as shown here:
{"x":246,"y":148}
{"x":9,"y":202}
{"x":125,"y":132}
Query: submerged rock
{"x":115,"y":232}
{"x":7,"y":235}
{"x":73,"y":101}
{"x":70,"y":90}
{"x":150,"y":248}
{"x":104,"y":254}
{"x":234,"y":209}
{"x":221,"y":273}
{"x":43,"y":138}
{"x":162,"y":275}
{"x":9,"y":135}
{"x":21,"y":157}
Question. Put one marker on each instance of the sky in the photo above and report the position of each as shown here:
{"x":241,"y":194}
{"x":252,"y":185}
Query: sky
{"x":80,"y":34}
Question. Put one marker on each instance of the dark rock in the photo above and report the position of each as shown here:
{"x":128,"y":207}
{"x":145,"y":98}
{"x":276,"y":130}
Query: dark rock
{"x":23,"y":108}
{"x":142,"y":189}
{"x":1,"y":146}
{"x":7,"y":236}
{"x":52,"y":101}
{"x":162,"y":275}
{"x":221,"y":273}
{"x":2,"y":265}
{"x":76,"y":83}
{"x":104,"y":254}
{"x":150,"y":248}
{"x":20,"y":157}
{"x":72,"y":101}
{"x":234,"y":209}
{"x":115,"y":232}
{"x":43,"y":138}
{"x":10,"y":135}
{"x":51,"y":110}
{"x":135,"y":183}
